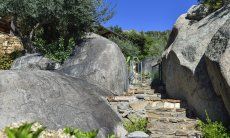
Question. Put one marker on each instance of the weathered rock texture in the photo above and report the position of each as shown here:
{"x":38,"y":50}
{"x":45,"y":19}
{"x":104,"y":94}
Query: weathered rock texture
{"x":148,"y":63}
{"x":54,"y":100}
{"x":100,"y":62}
{"x":9,"y":44}
{"x":196,"y":64}
{"x":34,"y":62}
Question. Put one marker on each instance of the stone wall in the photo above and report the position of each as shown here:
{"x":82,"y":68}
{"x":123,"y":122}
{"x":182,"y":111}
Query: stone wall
{"x":9,"y":44}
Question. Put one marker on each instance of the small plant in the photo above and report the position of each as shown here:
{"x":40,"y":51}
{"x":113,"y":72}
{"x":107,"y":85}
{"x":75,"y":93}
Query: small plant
{"x":24,"y":131}
{"x":111,"y":136}
{"x":6,"y":60}
{"x":211,"y":129}
{"x":55,"y":51}
{"x":136,"y":124}
{"x":80,"y":134}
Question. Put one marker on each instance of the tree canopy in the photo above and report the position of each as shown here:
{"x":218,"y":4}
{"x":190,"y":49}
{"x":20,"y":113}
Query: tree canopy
{"x":53,"y":19}
{"x":141,"y":44}
{"x":214,"y":5}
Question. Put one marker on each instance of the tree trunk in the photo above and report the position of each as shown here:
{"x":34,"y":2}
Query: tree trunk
{"x":26,"y":41}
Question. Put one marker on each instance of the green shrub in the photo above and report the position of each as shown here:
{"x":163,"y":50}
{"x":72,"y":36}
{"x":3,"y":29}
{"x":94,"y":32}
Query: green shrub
{"x":111,"y":136}
{"x":23,"y":131}
{"x":213,"y":5}
{"x":211,"y":129}
{"x":6,"y":60}
{"x":136,"y":124}
{"x":55,"y":51}
{"x":80,"y":134}
{"x":127,"y":48}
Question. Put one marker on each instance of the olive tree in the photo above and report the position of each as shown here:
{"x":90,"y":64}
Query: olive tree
{"x":56,"y":18}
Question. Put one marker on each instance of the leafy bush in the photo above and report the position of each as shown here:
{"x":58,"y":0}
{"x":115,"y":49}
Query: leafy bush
{"x":80,"y":134}
{"x":111,"y":136}
{"x":59,"y":18}
{"x":141,"y":44}
{"x":127,"y":48}
{"x":24,"y":131}
{"x":136,"y":124}
{"x":55,"y":51}
{"x":211,"y":129}
{"x":6,"y":60}
{"x":213,"y":5}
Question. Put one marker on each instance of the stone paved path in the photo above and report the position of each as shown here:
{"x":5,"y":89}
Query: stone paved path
{"x":167,"y":117}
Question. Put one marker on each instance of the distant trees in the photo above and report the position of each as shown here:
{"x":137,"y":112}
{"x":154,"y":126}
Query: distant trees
{"x":52,"y":20}
{"x":141,"y":44}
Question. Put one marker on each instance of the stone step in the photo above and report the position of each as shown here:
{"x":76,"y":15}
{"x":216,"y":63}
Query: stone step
{"x":172,"y":120}
{"x":178,"y":134}
{"x":165,"y":103}
{"x":121,"y":98}
{"x":163,"y":112}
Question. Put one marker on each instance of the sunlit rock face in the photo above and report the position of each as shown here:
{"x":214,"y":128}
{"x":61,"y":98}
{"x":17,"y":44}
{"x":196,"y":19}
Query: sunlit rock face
{"x":196,"y":64}
{"x":9,"y":44}
{"x":54,"y":100}
{"x":34,"y":62}
{"x":100,"y":62}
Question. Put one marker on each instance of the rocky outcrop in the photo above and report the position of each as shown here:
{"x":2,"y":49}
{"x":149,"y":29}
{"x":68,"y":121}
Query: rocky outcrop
{"x":54,"y":100}
{"x":147,"y":65}
{"x":9,"y":44}
{"x":196,"y":64}
{"x":100,"y":62}
{"x":34,"y":62}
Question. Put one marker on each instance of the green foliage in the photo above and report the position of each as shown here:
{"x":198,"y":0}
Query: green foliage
{"x":112,"y":135}
{"x":141,"y":44}
{"x":56,"y":50}
{"x":213,"y":5}
{"x":60,"y":19}
{"x":127,"y":48}
{"x":6,"y":60}
{"x":23,"y":131}
{"x":80,"y":134}
{"x":211,"y":129}
{"x":116,"y":29}
{"x":136,"y":124}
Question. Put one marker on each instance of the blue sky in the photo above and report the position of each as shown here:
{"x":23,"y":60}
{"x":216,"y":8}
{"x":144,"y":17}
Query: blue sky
{"x":146,"y":15}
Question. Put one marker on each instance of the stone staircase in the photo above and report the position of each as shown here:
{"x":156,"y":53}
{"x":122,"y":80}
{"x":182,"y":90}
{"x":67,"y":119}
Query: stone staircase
{"x":168,"y":118}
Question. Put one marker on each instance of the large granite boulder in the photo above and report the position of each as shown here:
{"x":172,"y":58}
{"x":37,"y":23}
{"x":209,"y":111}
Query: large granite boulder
{"x":196,"y":64}
{"x":100,"y":62}
{"x":148,"y":63}
{"x":34,"y":62}
{"x":54,"y":100}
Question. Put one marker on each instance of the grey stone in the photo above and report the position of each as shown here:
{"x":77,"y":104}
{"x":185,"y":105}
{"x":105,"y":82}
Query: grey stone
{"x":123,"y":106}
{"x":196,"y":64}
{"x":54,"y":100}
{"x":140,"y":96}
{"x":120,"y":131}
{"x":181,"y":133}
{"x":100,"y":62}
{"x":138,"y":134}
{"x":34,"y":62}
{"x":147,"y":65}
